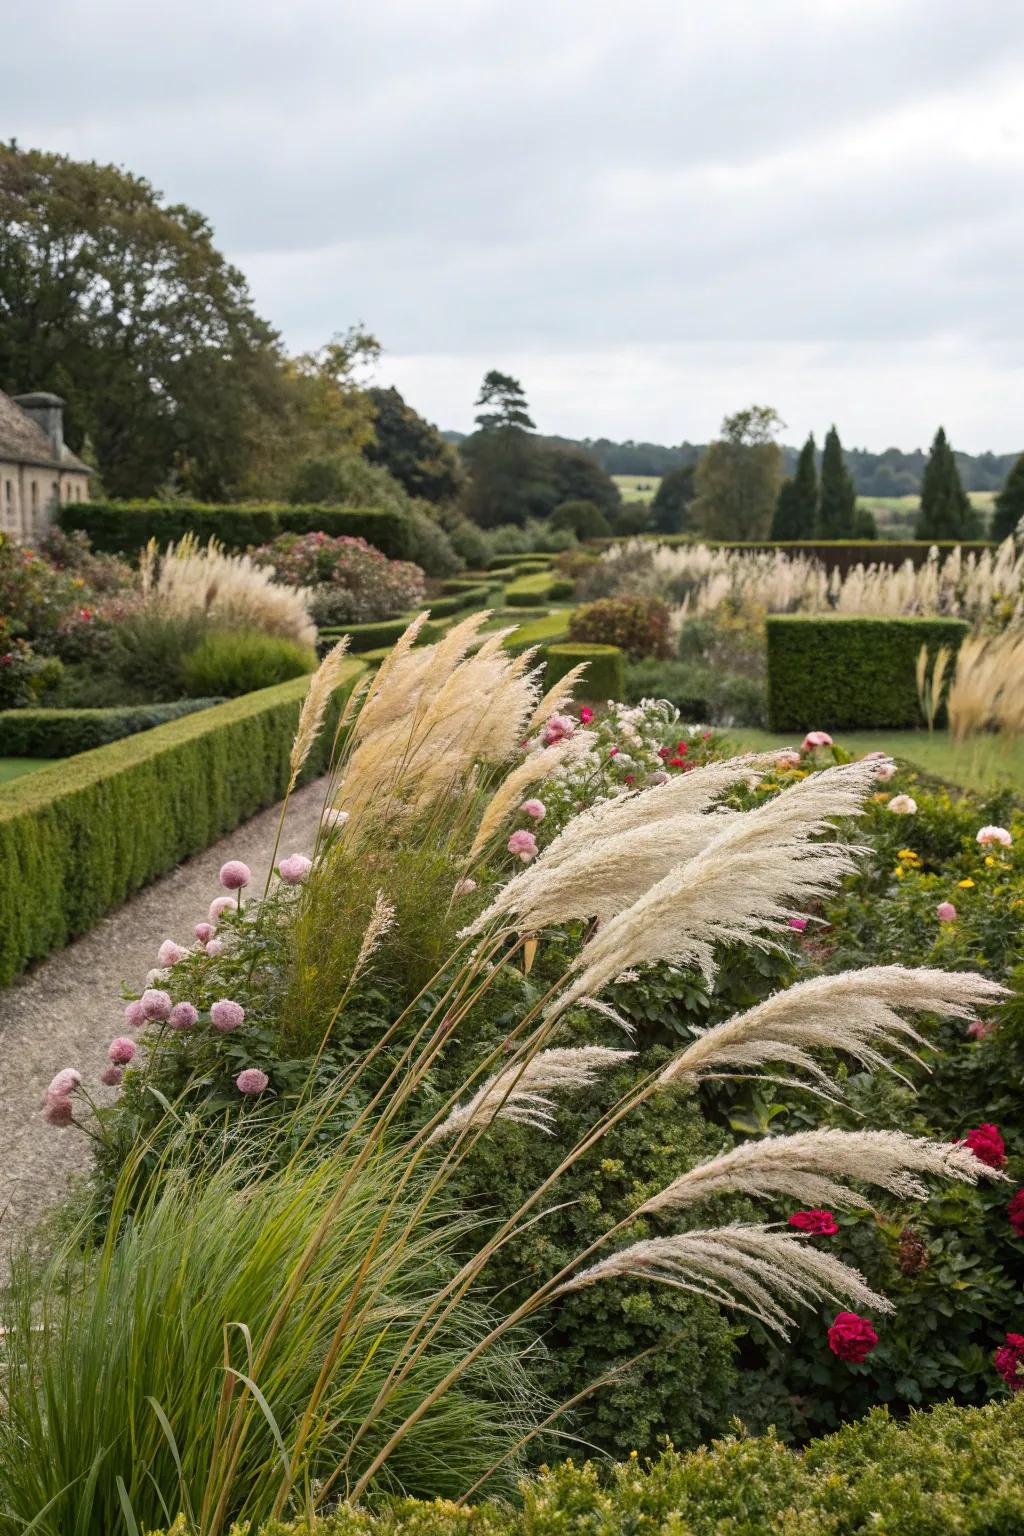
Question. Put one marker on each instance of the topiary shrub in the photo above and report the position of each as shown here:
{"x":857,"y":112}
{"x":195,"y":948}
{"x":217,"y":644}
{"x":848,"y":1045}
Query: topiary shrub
{"x":230,"y":662}
{"x":605,"y":674}
{"x":640,"y":626}
{"x":845,"y":672}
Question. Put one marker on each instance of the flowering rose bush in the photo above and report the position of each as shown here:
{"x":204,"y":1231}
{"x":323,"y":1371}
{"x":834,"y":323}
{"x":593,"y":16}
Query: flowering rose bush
{"x":640,"y":626}
{"x":352,"y":582}
{"x":852,"y":1338}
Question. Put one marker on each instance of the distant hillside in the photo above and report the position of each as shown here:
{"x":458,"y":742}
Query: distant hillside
{"x":891,"y":473}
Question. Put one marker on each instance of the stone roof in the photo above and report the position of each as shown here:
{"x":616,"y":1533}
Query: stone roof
{"x":24,"y":441}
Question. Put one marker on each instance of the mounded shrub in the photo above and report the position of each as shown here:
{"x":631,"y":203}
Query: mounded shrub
{"x":65,"y":732}
{"x":125,"y":527}
{"x":351,"y":582}
{"x":640,"y":626}
{"x":605,"y":674}
{"x":78,"y":838}
{"x":230,"y":662}
{"x":839,"y":672}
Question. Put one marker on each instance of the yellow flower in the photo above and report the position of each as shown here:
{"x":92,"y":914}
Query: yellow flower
{"x":966,"y":885}
{"x":899,"y":871}
{"x":990,"y":862}
{"x":909,"y":856}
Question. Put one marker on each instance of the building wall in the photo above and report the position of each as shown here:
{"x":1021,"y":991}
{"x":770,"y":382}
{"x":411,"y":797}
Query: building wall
{"x":29,"y":495}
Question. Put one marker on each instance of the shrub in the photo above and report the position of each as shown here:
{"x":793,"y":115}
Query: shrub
{"x":537,"y":586}
{"x":351,"y":581}
{"x":586,"y":520}
{"x":125,"y":527}
{"x":604,"y":677}
{"x":640,"y":626}
{"x":233,"y":661}
{"x":24,"y":676}
{"x":849,"y":672}
{"x":76,"y":839}
{"x":698,"y":690}
{"x":66,"y":732}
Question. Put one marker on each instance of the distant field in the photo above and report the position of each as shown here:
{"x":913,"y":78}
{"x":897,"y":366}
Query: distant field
{"x":637,"y":487}
{"x":895,"y":515}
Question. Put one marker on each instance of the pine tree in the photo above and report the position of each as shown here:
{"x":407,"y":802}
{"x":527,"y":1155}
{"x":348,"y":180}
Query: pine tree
{"x":796,"y":511}
{"x":1009,"y":506}
{"x":837,"y":508}
{"x":945,"y":511}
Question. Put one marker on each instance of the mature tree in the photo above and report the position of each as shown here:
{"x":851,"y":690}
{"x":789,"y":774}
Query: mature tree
{"x":508,"y":473}
{"x":504,"y":403}
{"x":1009,"y":504}
{"x":575,"y":475}
{"x":837,"y":506}
{"x":673,"y":500}
{"x":412,"y":449}
{"x":945,"y":511}
{"x":584,"y":518}
{"x":796,"y":510}
{"x":738,"y":476}
{"x":120,"y":303}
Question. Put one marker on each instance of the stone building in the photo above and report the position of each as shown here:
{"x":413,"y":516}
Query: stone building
{"x":38,"y":471}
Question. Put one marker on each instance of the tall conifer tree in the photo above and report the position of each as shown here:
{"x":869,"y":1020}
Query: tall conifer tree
{"x":796,"y":511}
{"x":837,"y":509}
{"x":946,"y":511}
{"x":1010,"y":503}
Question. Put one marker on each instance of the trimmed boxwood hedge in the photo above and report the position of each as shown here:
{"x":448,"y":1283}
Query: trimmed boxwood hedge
{"x":125,"y":527}
{"x":605,"y":677}
{"x":531,"y":560}
{"x":547,"y":586}
{"x":78,"y":838}
{"x":552,"y":626}
{"x":65,"y":732}
{"x":470,"y":595}
{"x":370,"y":637}
{"x":834,"y":671}
{"x":948,"y":1470}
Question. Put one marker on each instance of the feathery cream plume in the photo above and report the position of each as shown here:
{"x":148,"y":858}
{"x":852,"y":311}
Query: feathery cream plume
{"x":519,"y":1092}
{"x":558,"y":697}
{"x":534,"y":766}
{"x":314,"y":706}
{"x":381,"y":920}
{"x":751,"y":1267}
{"x":809,"y":1165}
{"x":856,"y":1011}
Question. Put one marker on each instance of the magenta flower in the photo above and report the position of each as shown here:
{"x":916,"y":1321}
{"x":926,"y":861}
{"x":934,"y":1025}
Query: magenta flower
{"x":226,"y":1015}
{"x":586,"y":715}
{"x":523,"y":845}
{"x":58,"y":1110}
{"x":799,"y":923}
{"x":204,"y":931}
{"x":294,"y":869}
{"x":946,"y":912}
{"x":252,"y":1080}
{"x":170,"y":953}
{"x":534,"y":808}
{"x":183,"y":1016}
{"x":135,"y":1015}
{"x":218,"y":906}
{"x":816,"y":739}
{"x":156,"y":1004}
{"x":234,"y":875}
{"x":65,"y":1082}
{"x":214,"y":947}
{"x":112,"y":1077}
{"x":121,"y":1051}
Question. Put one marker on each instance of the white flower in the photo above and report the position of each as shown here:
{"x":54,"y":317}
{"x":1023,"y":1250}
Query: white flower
{"x":903,"y":805}
{"x":994,"y":835}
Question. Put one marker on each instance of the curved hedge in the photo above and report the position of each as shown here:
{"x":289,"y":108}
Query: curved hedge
{"x":370,"y":637}
{"x":76,"y":839}
{"x":64,"y":732}
{"x":125,"y":527}
{"x":544,"y":586}
{"x":840,"y":671}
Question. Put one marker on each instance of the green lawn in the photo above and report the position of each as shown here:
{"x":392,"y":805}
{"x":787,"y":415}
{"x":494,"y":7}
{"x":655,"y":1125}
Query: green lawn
{"x":637,"y":487}
{"x":986,"y":763}
{"x":14,"y":767}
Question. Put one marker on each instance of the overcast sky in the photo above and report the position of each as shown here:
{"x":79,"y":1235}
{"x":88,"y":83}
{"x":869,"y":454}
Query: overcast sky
{"x":652,"y":212}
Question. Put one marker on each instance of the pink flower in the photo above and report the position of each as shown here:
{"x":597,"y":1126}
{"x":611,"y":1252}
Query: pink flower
{"x":885,"y":771}
{"x":1015,"y":1211}
{"x":816,"y":1223}
{"x":535,"y":808}
{"x":169,"y":953}
{"x":135,"y":1015}
{"x":1009,"y":1361}
{"x":65,"y":1082}
{"x":294,"y":869}
{"x":183,"y":1016}
{"x":788,"y":759}
{"x":852,"y":1337}
{"x":464,"y":887}
{"x":799,"y":923}
{"x":225,"y":1015}
{"x":218,"y":906}
{"x":214,"y":947}
{"x":58,"y":1110}
{"x":234,"y":874}
{"x":557,"y":729}
{"x":946,"y":912}
{"x":252,"y":1080}
{"x":121,"y":1051}
{"x":204,"y":931}
{"x":155,"y":1004}
{"x":980,"y":1029}
{"x":112,"y":1076}
{"x":586,"y":715}
{"x":903,"y":805}
{"x":994,"y":835}
{"x":524,"y":845}
{"x":987,"y":1144}
{"x":815,"y":739}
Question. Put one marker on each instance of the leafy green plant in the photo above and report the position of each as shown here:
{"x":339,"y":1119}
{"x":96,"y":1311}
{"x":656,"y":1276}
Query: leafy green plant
{"x":235,"y":661}
{"x":637,"y":625}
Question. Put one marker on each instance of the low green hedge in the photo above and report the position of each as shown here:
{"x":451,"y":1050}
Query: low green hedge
{"x":548,"y":586}
{"x":370,"y":637}
{"x":78,"y":838}
{"x":64,"y":732}
{"x":125,"y":527}
{"x":605,"y":677}
{"x":843,"y":672}
{"x":553,"y":626}
{"x":952,"y":1470}
{"x":471,"y":595}
{"x":532,"y":560}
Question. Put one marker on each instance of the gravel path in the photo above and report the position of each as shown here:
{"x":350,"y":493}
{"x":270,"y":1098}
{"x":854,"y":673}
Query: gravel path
{"x":68,"y":1009}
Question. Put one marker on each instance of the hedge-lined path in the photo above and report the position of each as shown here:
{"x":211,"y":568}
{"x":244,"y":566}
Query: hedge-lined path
{"x":66,"y":1011}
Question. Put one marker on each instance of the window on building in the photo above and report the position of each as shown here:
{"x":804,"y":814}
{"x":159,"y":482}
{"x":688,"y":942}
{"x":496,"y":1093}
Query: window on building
{"x":9,"y":501}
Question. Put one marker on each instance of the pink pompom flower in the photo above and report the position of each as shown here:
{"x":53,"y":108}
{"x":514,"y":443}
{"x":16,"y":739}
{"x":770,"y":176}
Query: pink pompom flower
{"x":946,"y":912}
{"x":815,"y":739}
{"x":218,"y":906}
{"x":994,"y":835}
{"x":464,"y":887}
{"x":112,"y":1077}
{"x":121,"y":1051}
{"x":294,"y":869}
{"x":58,"y":1110}
{"x":65,"y":1082}
{"x":135,"y":1014}
{"x":169,"y":953}
{"x":183,"y":1016}
{"x":215,"y":947}
{"x":204,"y":932}
{"x":156,"y":1004}
{"x":903,"y":805}
{"x":534,"y":808}
{"x":523,"y":845}
{"x":252,"y":1080}
{"x":788,"y":759}
{"x":557,"y":728}
{"x":884,"y":772}
{"x":234,"y":875}
{"x":226,"y":1015}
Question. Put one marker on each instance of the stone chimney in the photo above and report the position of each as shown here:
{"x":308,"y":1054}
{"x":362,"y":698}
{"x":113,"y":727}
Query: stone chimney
{"x":47,"y":411}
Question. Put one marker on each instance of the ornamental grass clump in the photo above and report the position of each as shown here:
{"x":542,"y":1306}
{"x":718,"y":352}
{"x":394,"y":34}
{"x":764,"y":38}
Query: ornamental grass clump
{"x":283,"y":1308}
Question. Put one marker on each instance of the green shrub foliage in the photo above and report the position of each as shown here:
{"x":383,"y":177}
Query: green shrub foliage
{"x":542,"y":585}
{"x":640,"y":626}
{"x":604,"y":677}
{"x":235,"y":661}
{"x":125,"y":527}
{"x":65,"y":732}
{"x":76,"y":839}
{"x":840,"y":672}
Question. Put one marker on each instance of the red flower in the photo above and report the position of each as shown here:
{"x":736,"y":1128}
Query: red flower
{"x":682,"y":748}
{"x":987,"y":1144}
{"x":664,"y":752}
{"x":1015,"y":1211}
{"x":586,"y":715}
{"x":677,"y":762}
{"x":817,"y":1223}
{"x":1009,"y":1361}
{"x":852,"y":1337}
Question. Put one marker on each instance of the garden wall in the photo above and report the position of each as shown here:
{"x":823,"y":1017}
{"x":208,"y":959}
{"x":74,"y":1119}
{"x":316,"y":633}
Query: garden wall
{"x":78,"y":838}
{"x":125,"y":527}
